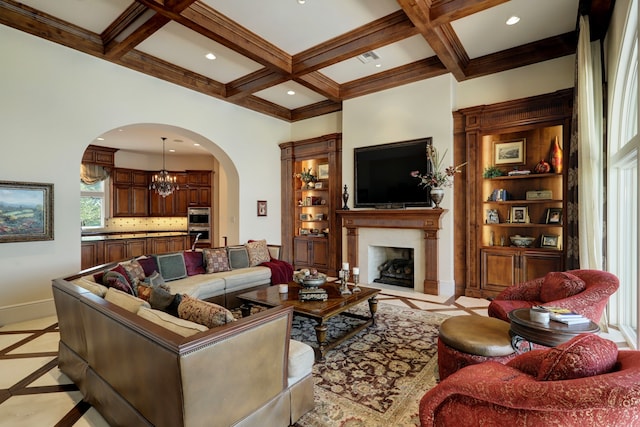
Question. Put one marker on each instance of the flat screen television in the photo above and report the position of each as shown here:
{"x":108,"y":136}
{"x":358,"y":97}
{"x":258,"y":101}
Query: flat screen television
{"x":383,"y":175}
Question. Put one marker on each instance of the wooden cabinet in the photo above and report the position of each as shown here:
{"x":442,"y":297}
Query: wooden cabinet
{"x":311,"y":233}
{"x":160,"y":245}
{"x":103,"y":156}
{"x":174,"y":204}
{"x":513,"y":137}
{"x":199,"y":183}
{"x":91,"y":254}
{"x":119,"y":250}
{"x":129,"y":193}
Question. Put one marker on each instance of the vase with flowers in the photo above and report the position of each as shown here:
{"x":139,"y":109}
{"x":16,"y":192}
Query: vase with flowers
{"x":437,"y":178}
{"x":307,"y":177}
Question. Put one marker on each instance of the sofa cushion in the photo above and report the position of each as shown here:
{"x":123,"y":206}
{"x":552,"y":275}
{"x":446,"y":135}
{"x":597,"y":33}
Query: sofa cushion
{"x":171,"y":266}
{"x":135,"y":272}
{"x":93,"y":287}
{"x":114,"y":279}
{"x":148,"y":264}
{"x":194,"y":262}
{"x":202,"y":286}
{"x":560,"y":285}
{"x":125,"y":300}
{"x":144,"y":291}
{"x":203,"y":312}
{"x":249,"y":277}
{"x":258,"y":252}
{"x":582,"y":356}
{"x":167,"y":321}
{"x":301,"y":358}
{"x":215,"y":260}
{"x":238,"y":257}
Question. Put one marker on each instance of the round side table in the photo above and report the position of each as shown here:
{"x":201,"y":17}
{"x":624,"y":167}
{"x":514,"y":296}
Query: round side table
{"x":548,"y":334}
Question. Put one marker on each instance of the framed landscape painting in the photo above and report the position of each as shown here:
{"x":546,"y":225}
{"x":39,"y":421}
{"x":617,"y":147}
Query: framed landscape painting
{"x":509,"y":152}
{"x":26,"y":211}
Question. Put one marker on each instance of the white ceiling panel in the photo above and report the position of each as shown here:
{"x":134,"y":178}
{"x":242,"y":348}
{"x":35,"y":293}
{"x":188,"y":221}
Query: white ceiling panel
{"x":297,"y":27}
{"x":92,"y":15}
{"x":391,"y":56}
{"x":181,"y":46}
{"x":278,"y":95}
{"x":486,"y":32}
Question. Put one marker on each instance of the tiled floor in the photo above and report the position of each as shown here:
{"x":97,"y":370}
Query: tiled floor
{"x":33,"y":392}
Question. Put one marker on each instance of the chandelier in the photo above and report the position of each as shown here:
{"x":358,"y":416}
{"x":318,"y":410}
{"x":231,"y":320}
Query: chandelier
{"x":163,"y":183}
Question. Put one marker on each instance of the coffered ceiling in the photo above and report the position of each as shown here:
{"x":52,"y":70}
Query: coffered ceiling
{"x":325,"y":51}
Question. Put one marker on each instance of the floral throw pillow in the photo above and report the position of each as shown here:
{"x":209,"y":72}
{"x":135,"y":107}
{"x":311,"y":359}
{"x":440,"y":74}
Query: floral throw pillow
{"x":215,"y":260}
{"x":560,"y":285}
{"x":203,"y":312}
{"x":258,"y":252}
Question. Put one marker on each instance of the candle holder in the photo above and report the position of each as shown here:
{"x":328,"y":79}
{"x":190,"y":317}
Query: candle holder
{"x":344,"y":289}
{"x":356,"y":279}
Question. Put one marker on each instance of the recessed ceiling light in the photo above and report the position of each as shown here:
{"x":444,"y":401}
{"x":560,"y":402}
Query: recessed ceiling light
{"x":378,"y":65}
{"x":171,"y":150}
{"x":291,"y":92}
{"x":100,"y":138}
{"x":301,"y":1}
{"x":513,"y":20}
{"x":210,"y":56}
{"x":195,"y":144}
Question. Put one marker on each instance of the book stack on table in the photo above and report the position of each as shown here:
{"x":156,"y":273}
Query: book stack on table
{"x":564,"y":315}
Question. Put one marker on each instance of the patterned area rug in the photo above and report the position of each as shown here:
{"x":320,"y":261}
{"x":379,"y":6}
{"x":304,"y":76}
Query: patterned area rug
{"x":377,"y":377}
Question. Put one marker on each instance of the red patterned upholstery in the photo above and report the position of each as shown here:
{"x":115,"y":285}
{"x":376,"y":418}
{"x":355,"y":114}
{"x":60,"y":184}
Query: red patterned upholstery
{"x":492,"y":393}
{"x":600,"y":285}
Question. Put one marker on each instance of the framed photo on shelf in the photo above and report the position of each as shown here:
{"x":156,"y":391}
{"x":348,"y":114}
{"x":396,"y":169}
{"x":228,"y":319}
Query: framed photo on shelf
{"x":554,"y":216}
{"x":550,"y":241}
{"x":305,"y":217}
{"x":262,"y":208}
{"x":27,"y":211}
{"x":323,"y":171}
{"x":492,"y":216}
{"x":318,"y":186}
{"x":318,"y":217}
{"x":509,"y":152}
{"x":519,"y":214}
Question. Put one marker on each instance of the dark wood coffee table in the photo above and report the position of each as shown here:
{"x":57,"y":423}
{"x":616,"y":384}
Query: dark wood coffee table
{"x":548,"y":334}
{"x":321,"y":311}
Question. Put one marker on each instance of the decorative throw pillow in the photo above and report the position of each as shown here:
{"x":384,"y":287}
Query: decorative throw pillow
{"x":148,"y":264}
{"x":194,"y":262}
{"x":156,"y":280}
{"x":171,"y":266}
{"x":238,"y":257}
{"x":560,"y":285}
{"x":160,"y":298}
{"x":582,"y":356}
{"x":135,"y":272}
{"x":528,"y":362}
{"x":113,"y":279}
{"x":144,"y":291}
{"x":215,"y":260}
{"x":258,"y":252}
{"x":203,"y":312}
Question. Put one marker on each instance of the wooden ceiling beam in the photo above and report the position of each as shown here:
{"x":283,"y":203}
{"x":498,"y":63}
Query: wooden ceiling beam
{"x":116,"y":49}
{"x":320,"y":83}
{"x":315,"y":110}
{"x":441,"y":38}
{"x":446,"y":11}
{"x":416,"y":71}
{"x":122,"y":22}
{"x":254,"y":82}
{"x":381,"y":32}
{"x":531,"y":53}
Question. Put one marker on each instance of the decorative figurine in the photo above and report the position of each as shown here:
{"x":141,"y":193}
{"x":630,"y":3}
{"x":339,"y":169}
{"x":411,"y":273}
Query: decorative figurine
{"x":345,"y":198}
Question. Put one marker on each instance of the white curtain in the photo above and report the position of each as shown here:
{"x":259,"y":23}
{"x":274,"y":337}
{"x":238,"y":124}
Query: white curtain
{"x":590,"y":169}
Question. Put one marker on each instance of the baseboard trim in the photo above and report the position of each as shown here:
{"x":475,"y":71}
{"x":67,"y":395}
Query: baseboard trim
{"x":27,"y":311}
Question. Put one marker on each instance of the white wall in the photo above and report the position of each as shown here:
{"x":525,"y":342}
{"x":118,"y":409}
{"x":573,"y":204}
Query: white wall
{"x":56,"y":101}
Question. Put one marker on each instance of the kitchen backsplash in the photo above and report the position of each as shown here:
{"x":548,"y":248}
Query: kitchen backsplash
{"x":132,"y":224}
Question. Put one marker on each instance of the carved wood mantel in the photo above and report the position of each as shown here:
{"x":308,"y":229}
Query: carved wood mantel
{"x":427,"y":220}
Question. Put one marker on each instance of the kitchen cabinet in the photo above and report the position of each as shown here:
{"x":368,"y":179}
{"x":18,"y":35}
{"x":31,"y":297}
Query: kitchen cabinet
{"x":119,"y":250}
{"x":103,"y":156}
{"x":91,"y":254}
{"x":160,"y":245}
{"x":525,"y":197}
{"x":129,"y":193}
{"x":199,"y":182}
{"x":311,"y":233}
{"x":174,"y":204}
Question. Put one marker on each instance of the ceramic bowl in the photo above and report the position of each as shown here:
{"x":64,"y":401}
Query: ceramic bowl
{"x":522,"y":241}
{"x":309,"y":281}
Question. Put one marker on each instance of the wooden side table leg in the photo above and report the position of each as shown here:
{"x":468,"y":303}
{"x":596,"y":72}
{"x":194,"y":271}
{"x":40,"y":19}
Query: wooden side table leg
{"x":321,"y":336}
{"x":373,"y":308}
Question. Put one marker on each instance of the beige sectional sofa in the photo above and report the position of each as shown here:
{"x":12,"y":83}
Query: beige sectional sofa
{"x":141,"y":366}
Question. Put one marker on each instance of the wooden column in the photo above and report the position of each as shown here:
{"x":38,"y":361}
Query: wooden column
{"x":427,"y":220}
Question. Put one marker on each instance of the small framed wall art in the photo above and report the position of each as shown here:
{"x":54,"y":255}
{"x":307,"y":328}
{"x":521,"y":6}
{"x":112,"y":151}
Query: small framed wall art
{"x":26,"y":211}
{"x":509,"y":152}
{"x":551,"y":241}
{"x":323,"y":171}
{"x":262,"y":208}
{"x":519,"y":214}
{"x":554,"y":216}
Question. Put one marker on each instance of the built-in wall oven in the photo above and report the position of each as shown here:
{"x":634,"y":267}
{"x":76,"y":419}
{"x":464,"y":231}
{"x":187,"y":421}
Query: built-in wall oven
{"x":199,"y":225}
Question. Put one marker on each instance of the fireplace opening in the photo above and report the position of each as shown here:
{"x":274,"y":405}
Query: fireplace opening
{"x":397,"y":267}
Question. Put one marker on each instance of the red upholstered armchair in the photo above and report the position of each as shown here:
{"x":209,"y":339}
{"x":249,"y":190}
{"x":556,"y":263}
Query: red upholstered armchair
{"x":583,"y":291}
{"x":584,"y":383}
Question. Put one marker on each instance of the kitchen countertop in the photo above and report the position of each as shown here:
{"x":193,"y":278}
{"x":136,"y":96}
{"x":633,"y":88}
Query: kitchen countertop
{"x":98,"y":236}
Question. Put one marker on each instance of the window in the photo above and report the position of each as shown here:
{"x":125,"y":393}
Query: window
{"x":93,"y":202}
{"x":622,"y":192}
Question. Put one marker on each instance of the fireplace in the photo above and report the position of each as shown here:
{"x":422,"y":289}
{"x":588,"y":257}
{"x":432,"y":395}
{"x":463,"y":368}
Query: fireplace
{"x":401,"y":228}
{"x":394,"y":265}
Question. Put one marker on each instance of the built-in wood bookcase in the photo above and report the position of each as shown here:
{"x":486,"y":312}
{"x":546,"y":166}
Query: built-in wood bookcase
{"x":490,"y":210}
{"x":311,"y":233}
